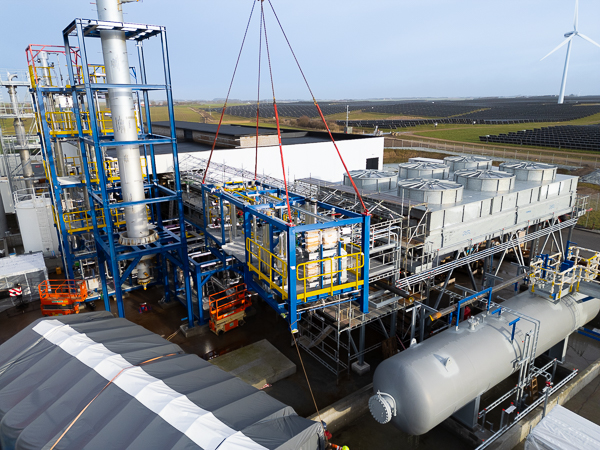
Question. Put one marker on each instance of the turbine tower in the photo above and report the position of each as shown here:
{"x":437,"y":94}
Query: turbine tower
{"x":569,"y":40}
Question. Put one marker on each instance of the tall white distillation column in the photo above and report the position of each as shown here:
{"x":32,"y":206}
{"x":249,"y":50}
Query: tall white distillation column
{"x":116,"y":62}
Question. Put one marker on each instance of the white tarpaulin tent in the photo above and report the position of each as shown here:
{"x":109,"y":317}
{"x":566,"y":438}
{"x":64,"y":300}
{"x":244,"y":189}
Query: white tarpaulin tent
{"x":27,"y":270}
{"x":562,"y":429}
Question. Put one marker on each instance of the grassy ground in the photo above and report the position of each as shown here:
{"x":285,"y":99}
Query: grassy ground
{"x":393,"y":156}
{"x":187,"y":113}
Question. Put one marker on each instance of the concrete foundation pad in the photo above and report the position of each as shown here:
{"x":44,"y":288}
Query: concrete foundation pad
{"x":359,"y":368}
{"x":195,"y":331}
{"x":257,"y":364}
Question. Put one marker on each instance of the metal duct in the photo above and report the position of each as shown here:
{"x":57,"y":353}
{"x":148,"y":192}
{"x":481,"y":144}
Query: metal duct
{"x":423,"y":170}
{"x":430,"y":381}
{"x":431,"y":191}
{"x":485,"y":180}
{"x":530,"y":171}
{"x":116,"y":62}
{"x":468,"y":162}
{"x":372,"y":179}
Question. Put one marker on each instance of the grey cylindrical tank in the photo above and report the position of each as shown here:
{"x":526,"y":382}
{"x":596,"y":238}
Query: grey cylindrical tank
{"x":467,"y":162}
{"x":375,"y":180}
{"x":485,"y":180}
{"x":432,"y":380}
{"x":434,"y":192}
{"x":530,"y":171}
{"x":422,"y":170}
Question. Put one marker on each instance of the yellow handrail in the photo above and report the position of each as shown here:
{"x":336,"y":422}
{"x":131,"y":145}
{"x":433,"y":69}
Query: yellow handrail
{"x":63,"y":123}
{"x":81,"y":220}
{"x":111,"y":168}
{"x":268,"y":259}
{"x":359,"y":262}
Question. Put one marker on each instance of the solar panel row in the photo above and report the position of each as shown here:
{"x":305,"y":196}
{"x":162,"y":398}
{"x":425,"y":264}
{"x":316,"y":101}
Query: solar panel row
{"x":585,"y":137}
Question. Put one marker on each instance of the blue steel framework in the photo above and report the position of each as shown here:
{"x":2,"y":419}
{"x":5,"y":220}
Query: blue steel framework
{"x":40,"y":93}
{"x":283,"y":296}
{"x":170,"y":246}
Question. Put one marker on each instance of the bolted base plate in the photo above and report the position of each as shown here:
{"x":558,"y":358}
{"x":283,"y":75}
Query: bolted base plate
{"x":359,"y":368}
{"x":189,"y":332}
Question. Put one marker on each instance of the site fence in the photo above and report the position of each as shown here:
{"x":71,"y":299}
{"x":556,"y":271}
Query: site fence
{"x":496,"y":152}
{"x":592,"y":219}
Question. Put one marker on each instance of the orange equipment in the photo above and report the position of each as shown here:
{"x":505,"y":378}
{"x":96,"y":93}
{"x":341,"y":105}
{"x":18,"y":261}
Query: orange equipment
{"x":61,"y":297}
{"x":228,"y":308}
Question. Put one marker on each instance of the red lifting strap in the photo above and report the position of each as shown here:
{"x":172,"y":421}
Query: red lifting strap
{"x":365,"y":210}
{"x":228,"y":94}
{"x":287,"y":195}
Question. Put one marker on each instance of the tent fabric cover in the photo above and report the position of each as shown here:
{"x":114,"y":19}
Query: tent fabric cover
{"x":562,"y":429}
{"x":53,"y":368}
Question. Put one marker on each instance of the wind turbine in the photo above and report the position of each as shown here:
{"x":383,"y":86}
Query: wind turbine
{"x":569,"y":40}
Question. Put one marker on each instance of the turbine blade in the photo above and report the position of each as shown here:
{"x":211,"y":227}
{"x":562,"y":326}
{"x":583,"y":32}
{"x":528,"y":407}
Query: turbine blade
{"x":589,"y":40}
{"x":576,"y":21}
{"x":566,"y":41}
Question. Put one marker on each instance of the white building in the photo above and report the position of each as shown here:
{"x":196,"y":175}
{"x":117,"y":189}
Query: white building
{"x":306,"y":153}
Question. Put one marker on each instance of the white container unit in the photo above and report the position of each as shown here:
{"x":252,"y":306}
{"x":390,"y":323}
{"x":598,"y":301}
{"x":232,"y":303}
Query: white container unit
{"x":35,"y":216}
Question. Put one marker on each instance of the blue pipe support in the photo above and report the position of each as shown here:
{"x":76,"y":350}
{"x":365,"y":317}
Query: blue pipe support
{"x":514,"y":325}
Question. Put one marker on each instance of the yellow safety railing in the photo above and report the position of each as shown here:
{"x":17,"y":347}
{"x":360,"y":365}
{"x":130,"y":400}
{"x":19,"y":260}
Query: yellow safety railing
{"x":111,"y":168}
{"x":259,"y":258}
{"x":63,"y":123}
{"x":333,"y":262}
{"x":97,"y":75}
{"x":554,"y":280}
{"x":81,"y":220}
{"x":40,"y":72}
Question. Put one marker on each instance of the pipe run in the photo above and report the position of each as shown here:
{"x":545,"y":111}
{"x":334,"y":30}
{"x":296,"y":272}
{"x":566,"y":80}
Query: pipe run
{"x":452,"y":308}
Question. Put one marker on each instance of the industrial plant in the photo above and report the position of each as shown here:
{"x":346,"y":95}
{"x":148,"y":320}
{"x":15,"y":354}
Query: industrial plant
{"x":439,"y":291}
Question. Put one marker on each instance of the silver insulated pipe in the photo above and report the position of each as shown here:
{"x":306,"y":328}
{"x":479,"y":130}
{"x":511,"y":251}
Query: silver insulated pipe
{"x":422,"y":386}
{"x":21,"y":135}
{"x":116,"y":62}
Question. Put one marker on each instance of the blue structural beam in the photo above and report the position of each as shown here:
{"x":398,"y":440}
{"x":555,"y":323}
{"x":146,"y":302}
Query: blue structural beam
{"x":122,"y":260}
{"x":282,"y":294}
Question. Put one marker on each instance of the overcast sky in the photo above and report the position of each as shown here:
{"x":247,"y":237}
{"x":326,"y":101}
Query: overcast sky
{"x":348,"y":48}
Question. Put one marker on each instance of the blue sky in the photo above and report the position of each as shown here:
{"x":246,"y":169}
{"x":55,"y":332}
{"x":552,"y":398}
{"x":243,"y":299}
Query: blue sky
{"x":348,"y":48}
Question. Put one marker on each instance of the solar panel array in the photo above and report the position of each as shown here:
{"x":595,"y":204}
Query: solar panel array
{"x":585,"y":137}
{"x":496,"y":114}
{"x":489,"y":111}
{"x":297,"y":109}
{"x":425,"y":109}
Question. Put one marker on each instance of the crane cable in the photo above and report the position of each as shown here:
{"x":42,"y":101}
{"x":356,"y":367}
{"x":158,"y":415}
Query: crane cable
{"x":228,"y":93}
{"x":262,"y":15}
{"x":287,"y":195}
{"x":365,"y":210}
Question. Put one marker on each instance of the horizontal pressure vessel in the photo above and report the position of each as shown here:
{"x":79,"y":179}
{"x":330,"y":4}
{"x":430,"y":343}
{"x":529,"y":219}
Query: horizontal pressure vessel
{"x":432,"y":380}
